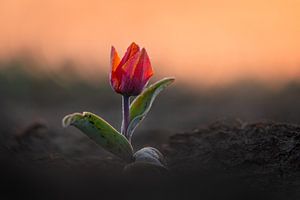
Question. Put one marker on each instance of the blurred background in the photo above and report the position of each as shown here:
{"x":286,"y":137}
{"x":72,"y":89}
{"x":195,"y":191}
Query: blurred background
{"x":231,"y":59}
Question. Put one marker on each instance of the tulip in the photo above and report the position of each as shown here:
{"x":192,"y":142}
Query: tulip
{"x":129,"y":76}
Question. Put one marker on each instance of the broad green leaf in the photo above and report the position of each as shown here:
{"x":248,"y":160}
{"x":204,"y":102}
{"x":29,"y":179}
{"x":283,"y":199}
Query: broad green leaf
{"x":142,"y":103}
{"x":101,"y":132}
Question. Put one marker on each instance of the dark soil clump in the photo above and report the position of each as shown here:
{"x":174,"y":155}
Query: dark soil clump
{"x":260,"y":156}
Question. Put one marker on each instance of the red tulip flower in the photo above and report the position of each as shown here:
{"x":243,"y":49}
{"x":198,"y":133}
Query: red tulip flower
{"x":130,"y":75}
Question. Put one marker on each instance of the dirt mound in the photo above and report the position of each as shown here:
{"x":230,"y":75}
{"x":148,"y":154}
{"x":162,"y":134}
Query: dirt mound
{"x":264,"y":156}
{"x":257,"y":148}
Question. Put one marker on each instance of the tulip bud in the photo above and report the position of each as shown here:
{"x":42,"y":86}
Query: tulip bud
{"x":130,"y":75}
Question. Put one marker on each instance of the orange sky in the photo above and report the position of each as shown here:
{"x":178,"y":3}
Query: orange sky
{"x":212,"y":41}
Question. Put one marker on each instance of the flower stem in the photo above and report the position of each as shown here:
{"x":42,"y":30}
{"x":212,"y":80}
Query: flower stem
{"x":125,"y":109}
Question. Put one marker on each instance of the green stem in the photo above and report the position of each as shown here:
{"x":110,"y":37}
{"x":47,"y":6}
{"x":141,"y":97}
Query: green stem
{"x":125,"y":109}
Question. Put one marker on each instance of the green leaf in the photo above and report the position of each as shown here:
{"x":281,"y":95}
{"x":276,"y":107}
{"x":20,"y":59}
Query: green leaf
{"x":142,"y":103}
{"x":150,"y":155}
{"x":149,"y":161}
{"x":101,"y":132}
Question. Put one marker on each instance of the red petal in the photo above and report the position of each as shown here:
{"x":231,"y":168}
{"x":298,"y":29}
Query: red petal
{"x":143,"y":71}
{"x":127,"y":72}
{"x":114,"y":59}
{"x":115,"y":75}
{"x":140,"y":76}
{"x":131,"y":51}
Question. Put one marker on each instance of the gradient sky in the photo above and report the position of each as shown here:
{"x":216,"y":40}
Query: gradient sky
{"x":203,"y":42}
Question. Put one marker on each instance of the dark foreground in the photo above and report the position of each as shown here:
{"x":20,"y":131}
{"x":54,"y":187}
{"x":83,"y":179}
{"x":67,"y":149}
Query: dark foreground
{"x":220,"y":161}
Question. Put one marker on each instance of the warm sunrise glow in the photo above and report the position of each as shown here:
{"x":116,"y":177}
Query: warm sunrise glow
{"x":212,"y":42}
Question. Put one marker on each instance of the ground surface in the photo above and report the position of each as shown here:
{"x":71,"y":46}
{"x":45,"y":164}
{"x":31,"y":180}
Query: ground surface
{"x":264,"y":157}
{"x":220,"y":161}
{"x":227,"y":160}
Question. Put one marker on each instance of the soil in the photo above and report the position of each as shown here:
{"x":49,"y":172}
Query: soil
{"x":220,"y":161}
{"x":263,"y":157}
